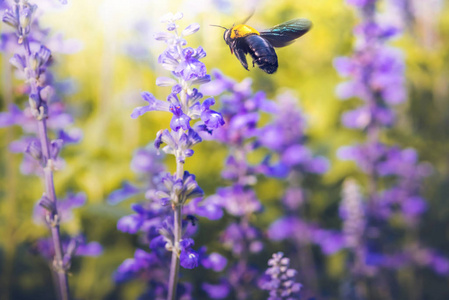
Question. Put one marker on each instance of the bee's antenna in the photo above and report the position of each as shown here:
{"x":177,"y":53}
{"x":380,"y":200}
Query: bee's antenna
{"x":218,"y":26}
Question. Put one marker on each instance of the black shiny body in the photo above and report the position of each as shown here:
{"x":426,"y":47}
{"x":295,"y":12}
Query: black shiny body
{"x":243,"y":40}
{"x":259,"y":49}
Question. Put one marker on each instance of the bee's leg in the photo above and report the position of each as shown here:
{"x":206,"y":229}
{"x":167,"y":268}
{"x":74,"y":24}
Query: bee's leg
{"x":240,"y":54}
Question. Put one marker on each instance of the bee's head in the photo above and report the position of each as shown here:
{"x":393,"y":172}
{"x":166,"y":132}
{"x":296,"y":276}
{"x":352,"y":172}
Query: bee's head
{"x":227,"y":36}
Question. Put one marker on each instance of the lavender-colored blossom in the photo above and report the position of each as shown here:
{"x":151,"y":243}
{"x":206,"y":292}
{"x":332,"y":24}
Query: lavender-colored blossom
{"x":214,"y":261}
{"x":133,"y":267}
{"x":167,"y":220}
{"x":287,"y":227}
{"x":127,"y":190}
{"x":74,"y":246}
{"x":240,"y":108}
{"x":242,"y":238}
{"x":147,"y":160}
{"x":44,"y":115}
{"x":352,"y":211}
{"x":189,"y":258}
{"x":217,"y":291}
{"x":185,"y":64}
{"x":238,"y":200}
{"x":303,"y":233}
{"x":153,"y":105}
{"x":209,"y":208}
{"x":65,"y":207}
{"x":179,"y":191}
{"x":281,"y":282}
{"x":376,"y":74}
{"x":178,"y":143}
{"x":394,"y":176}
{"x":285,"y":136}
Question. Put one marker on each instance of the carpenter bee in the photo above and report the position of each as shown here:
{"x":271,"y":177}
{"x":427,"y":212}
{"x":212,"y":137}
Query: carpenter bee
{"x":243,"y":39}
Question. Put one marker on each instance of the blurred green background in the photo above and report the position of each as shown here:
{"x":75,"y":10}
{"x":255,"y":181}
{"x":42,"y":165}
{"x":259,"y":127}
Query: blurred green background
{"x":109,"y":82}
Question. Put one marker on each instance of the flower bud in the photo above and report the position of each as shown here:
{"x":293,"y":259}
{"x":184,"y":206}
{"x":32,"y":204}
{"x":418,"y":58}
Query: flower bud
{"x":34,"y":150}
{"x":25,"y":15}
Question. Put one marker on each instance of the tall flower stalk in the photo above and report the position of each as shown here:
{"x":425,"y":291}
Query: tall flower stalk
{"x":376,"y":74}
{"x":285,"y":136}
{"x":280,"y":281}
{"x":184,"y":103}
{"x":43,"y":118}
{"x":33,"y":64}
{"x":241,"y":108}
{"x":394,"y":176}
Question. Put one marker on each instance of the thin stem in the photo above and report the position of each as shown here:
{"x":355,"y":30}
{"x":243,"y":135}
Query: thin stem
{"x":53,"y":217}
{"x":54,"y":224}
{"x":177,"y":232}
{"x":174,"y":267}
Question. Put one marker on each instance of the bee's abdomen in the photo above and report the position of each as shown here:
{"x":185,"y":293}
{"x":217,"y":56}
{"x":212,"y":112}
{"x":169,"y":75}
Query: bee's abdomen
{"x":262,"y":53}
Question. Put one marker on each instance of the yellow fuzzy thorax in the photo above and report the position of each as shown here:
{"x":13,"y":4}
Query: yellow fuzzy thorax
{"x":241,"y":30}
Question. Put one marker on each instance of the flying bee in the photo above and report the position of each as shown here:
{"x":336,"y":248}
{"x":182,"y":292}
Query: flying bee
{"x":243,"y":39}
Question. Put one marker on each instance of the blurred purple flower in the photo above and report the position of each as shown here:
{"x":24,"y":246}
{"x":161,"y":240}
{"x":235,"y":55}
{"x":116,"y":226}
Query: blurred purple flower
{"x":188,"y":258}
{"x":81,"y":248}
{"x":214,"y":261}
{"x":217,"y":291}
{"x":280,"y":282}
{"x":127,"y":191}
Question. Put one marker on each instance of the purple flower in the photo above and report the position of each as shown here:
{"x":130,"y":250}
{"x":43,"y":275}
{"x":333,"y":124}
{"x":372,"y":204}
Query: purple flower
{"x":127,"y":191}
{"x":209,"y":208}
{"x":217,"y":291}
{"x":185,"y":64}
{"x":179,"y":191}
{"x":352,"y":211}
{"x":214,"y":261}
{"x":239,"y":201}
{"x":89,"y":249}
{"x":286,"y":227}
{"x":188,"y":258}
{"x":285,"y":136}
{"x":147,"y":161}
{"x":130,"y":224}
{"x":281,"y":279}
{"x":13,"y":117}
{"x":190,"y":68}
{"x":180,"y":120}
{"x":65,"y":207}
{"x":392,"y":201}
{"x":178,"y":143}
{"x":133,"y":267}
{"x":75,"y":246}
{"x":211,"y":118}
{"x":171,"y":19}
{"x":153,"y":105}
{"x":242,"y":238}
{"x":168,"y":219}
{"x":361,"y":3}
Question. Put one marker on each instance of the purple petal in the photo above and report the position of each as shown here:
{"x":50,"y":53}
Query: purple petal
{"x":130,"y":224}
{"x":189,"y":259}
{"x":191,"y":29}
{"x":90,"y":249}
{"x":122,"y":194}
{"x":215,"y":261}
{"x":217,"y":291}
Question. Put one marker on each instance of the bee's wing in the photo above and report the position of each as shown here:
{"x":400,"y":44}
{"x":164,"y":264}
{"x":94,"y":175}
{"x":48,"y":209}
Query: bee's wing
{"x":283,"y":34}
